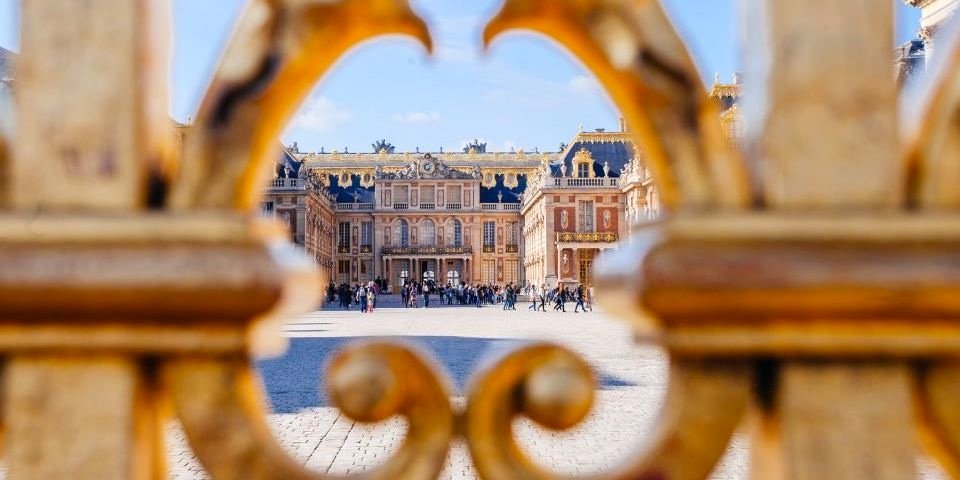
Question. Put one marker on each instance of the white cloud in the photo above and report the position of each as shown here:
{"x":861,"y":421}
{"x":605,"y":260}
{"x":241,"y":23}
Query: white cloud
{"x":320,"y":114}
{"x":583,"y":85}
{"x":417,"y":117}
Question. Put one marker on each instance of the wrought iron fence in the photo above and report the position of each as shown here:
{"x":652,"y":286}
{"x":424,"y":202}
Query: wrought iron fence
{"x":810,"y":283}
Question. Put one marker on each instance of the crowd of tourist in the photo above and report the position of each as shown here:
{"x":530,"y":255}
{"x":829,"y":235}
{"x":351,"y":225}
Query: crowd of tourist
{"x":415,"y":294}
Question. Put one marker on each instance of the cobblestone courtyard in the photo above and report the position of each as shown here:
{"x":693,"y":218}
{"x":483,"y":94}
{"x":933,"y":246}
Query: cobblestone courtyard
{"x":632,"y":381}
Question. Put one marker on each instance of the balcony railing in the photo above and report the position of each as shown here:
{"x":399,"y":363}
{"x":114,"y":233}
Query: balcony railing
{"x":507,"y":207}
{"x":454,"y":206}
{"x":582,"y":237}
{"x":603,"y":182}
{"x":513,"y":248}
{"x":488,"y":249}
{"x":401,"y":206}
{"x":354,"y":206}
{"x":428,"y":206}
{"x":287,"y":183}
{"x":449,"y":250}
{"x":343,"y":248}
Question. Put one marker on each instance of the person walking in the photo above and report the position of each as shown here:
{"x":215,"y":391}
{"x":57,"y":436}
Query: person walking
{"x":362,"y":298}
{"x":534,"y":294}
{"x":580,"y":294}
{"x":413,"y":295}
{"x":426,"y":295}
{"x":543,"y":298}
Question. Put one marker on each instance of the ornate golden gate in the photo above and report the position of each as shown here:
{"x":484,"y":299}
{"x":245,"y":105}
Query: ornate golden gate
{"x":809,"y":287}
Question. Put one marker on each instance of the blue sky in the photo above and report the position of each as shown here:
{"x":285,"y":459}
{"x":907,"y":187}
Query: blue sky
{"x":525,"y":93}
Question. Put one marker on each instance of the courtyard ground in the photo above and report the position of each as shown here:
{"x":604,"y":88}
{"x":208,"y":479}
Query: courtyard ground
{"x":632,"y":381}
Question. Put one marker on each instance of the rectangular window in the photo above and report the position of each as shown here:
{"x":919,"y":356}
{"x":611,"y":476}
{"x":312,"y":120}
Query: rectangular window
{"x":267,"y":208}
{"x":457,"y":233}
{"x":401,"y":194}
{"x":366,"y":233}
{"x":489,"y":234}
{"x":488,"y":273}
{"x":511,"y":233}
{"x":454,"y":195}
{"x":343,"y":239}
{"x":511,"y":271}
{"x":585,"y":216}
{"x":427,"y":194}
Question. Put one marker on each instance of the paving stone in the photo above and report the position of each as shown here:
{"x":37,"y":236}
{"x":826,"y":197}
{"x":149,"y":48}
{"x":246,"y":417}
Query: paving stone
{"x":632,"y":384}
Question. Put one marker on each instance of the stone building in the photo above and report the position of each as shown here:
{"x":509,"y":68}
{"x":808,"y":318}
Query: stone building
{"x":912,"y":57}
{"x":470,"y":216}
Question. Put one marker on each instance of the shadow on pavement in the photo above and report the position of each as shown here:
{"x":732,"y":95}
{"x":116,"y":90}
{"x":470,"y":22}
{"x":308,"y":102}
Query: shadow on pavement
{"x":296,"y":380}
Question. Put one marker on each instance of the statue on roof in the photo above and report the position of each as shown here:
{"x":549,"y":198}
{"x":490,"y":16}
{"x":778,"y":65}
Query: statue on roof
{"x":563,"y":146}
{"x":383,"y":145}
{"x":476,"y":146}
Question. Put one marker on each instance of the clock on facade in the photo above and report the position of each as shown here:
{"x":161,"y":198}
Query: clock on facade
{"x":428,"y":167}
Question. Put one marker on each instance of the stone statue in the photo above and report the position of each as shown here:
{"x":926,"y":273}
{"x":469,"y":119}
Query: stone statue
{"x":564,"y":219}
{"x":499,"y":197}
{"x":566,"y":262}
{"x":606,"y":169}
{"x":563,"y":169}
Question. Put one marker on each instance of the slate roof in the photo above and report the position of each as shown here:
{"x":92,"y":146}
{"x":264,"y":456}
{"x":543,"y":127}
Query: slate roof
{"x":346,"y":193}
{"x":616,"y":149}
{"x":287,"y":160}
{"x":510,"y":195}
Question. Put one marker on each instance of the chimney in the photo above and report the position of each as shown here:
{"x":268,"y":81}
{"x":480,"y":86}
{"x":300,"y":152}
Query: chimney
{"x":623,"y":125}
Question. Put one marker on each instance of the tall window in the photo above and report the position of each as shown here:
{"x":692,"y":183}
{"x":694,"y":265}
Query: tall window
{"x":366,"y":233}
{"x":457,"y":233}
{"x":401,"y":234}
{"x":512,"y":233}
{"x":428,"y":235}
{"x":488,"y":272}
{"x":489,"y":234}
{"x":511,"y":273}
{"x":585,"y":216}
{"x":343,"y":239}
{"x":343,"y":271}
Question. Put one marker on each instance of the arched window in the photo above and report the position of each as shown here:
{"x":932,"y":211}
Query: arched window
{"x":428,"y":235}
{"x":457,"y":233}
{"x":401,"y":234}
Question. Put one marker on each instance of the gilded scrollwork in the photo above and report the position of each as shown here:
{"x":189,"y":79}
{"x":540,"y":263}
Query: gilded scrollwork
{"x":279,"y":51}
{"x":637,"y":55}
{"x":220,"y":404}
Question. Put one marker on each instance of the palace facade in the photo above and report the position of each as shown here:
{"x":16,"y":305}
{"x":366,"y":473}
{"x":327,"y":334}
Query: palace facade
{"x":472,"y":216}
